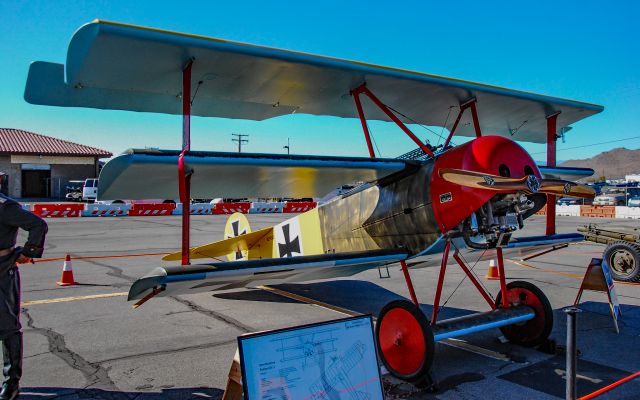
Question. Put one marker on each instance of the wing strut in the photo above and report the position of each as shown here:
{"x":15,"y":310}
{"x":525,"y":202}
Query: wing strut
{"x":474,"y":114}
{"x":356,"y":96}
{"x":184,"y":177}
{"x":551,"y":161}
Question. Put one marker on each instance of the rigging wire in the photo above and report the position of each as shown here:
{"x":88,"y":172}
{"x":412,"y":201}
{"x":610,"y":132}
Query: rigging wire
{"x":592,"y":144}
{"x":446,"y":120}
{"x":464,"y":277}
{"x":416,"y":122}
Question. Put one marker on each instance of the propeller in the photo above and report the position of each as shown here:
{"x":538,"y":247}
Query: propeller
{"x":528,"y":184}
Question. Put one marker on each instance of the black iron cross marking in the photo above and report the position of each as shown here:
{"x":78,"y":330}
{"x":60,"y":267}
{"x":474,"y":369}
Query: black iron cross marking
{"x":289,"y":246}
{"x":235,"y":225}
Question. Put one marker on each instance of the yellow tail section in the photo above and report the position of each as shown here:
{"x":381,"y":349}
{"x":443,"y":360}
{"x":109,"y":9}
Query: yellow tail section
{"x":239,"y":243}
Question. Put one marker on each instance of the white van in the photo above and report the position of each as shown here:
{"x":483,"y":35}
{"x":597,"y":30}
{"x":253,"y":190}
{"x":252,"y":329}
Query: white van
{"x":90,"y":189}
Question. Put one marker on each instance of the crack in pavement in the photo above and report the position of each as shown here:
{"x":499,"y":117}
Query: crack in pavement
{"x":169,"y":351}
{"x":215,"y":315}
{"x":93,"y":373}
{"x":115,"y":271}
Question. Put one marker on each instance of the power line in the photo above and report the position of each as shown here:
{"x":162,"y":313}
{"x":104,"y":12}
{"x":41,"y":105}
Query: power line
{"x":240,"y":140}
{"x":592,"y":144}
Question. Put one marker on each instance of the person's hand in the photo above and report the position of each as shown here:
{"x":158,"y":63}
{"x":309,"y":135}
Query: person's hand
{"x":22,"y":259}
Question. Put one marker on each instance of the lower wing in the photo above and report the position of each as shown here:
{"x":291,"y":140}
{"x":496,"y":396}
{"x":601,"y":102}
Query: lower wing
{"x":169,"y":281}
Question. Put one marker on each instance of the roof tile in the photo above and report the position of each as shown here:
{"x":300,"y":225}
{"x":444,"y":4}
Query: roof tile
{"x":18,"y":141}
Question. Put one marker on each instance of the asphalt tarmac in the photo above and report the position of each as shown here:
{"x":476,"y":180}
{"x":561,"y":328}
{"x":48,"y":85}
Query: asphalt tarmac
{"x":86,"y":341}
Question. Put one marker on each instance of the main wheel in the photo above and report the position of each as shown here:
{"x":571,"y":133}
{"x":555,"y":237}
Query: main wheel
{"x":405,"y":341}
{"x":534,"y":331}
{"x":624,"y":259}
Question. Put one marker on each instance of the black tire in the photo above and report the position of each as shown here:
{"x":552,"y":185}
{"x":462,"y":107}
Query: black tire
{"x":624,"y":260}
{"x":534,"y":331}
{"x":405,"y":341}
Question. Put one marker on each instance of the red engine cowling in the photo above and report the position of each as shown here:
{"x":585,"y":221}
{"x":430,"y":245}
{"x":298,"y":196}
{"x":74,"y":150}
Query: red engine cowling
{"x":495,"y":155}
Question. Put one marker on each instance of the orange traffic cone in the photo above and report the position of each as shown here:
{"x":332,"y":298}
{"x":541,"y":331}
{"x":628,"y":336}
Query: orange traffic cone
{"x":492,"y":272}
{"x":67,"y":273}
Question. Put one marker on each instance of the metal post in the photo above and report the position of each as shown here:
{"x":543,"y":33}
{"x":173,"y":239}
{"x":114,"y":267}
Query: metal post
{"x":572,"y":354}
{"x":185,"y":183}
{"x":551,"y":162}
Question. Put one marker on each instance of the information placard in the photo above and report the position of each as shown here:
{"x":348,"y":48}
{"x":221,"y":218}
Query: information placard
{"x":598,"y":278}
{"x":329,"y":360}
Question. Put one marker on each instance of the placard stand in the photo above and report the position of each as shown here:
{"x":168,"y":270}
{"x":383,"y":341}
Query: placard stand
{"x":234,"y":390}
{"x":599,"y":279}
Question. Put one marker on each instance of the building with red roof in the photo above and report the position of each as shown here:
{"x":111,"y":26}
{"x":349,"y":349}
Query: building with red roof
{"x":36,"y":165}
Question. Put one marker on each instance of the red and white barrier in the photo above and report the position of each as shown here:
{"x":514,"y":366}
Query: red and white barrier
{"x":195,"y":209}
{"x":230,"y":208}
{"x":298,"y":206}
{"x":265,"y":208}
{"x":57,"y":210}
{"x":106,"y":210}
{"x":568,"y":210}
{"x":628,"y":212}
{"x":152,"y":209}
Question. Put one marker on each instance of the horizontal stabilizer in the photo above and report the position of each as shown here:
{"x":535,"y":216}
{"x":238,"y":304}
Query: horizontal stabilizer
{"x":169,"y":281}
{"x":222,"y":247}
{"x":153,"y":174}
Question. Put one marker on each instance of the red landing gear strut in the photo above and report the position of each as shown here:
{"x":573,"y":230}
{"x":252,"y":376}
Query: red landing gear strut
{"x":406,"y":338}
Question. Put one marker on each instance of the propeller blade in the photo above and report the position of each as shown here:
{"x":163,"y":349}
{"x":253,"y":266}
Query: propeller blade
{"x":566,"y":188}
{"x":479,"y":180}
{"x":528,"y":184}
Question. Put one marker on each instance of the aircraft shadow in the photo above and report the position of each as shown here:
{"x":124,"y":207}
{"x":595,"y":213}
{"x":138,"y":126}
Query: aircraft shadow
{"x":72,"y":394}
{"x":359,"y":296}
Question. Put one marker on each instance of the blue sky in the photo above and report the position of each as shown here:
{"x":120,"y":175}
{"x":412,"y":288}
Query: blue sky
{"x":583,"y":50}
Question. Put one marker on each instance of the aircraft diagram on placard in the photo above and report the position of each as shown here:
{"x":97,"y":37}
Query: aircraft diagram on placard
{"x":468,"y":199}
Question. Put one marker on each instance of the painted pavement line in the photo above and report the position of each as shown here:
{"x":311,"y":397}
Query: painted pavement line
{"x":76,"y":298}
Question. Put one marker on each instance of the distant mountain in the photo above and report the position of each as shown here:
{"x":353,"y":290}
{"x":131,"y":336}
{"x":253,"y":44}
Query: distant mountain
{"x":613,"y":164}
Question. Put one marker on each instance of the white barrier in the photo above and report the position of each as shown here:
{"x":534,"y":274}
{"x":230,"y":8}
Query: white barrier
{"x":195,"y":209}
{"x":265,"y":208}
{"x":628,"y":212}
{"x":568,"y":210}
{"x":106,"y":210}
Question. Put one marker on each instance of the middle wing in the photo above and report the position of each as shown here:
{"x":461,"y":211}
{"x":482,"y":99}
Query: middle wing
{"x":153,"y":174}
{"x":229,"y":275}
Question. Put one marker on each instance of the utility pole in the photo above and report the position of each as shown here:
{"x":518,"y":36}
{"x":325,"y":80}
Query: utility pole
{"x":288,"y":147}
{"x":239,"y":139}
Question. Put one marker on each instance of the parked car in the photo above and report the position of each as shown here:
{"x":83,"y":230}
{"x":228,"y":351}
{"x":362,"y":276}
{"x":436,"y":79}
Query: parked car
{"x":611,"y":196}
{"x":572,"y":201}
{"x":74,"y":190}
{"x":90,"y":189}
{"x":634,"y":202}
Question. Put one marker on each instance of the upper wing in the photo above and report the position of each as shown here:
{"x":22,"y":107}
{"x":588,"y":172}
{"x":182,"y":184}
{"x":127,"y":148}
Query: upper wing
{"x":238,"y":80}
{"x":153,"y":174}
{"x":228,"y":275}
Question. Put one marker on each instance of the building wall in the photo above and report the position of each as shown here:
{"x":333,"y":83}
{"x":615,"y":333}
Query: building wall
{"x":15,"y":175}
{"x":60,"y":175}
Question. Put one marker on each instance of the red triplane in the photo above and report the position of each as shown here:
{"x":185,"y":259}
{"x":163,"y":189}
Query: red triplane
{"x":446,"y":199}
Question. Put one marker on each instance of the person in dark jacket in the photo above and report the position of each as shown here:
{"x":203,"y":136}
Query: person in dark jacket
{"x":12,"y":217}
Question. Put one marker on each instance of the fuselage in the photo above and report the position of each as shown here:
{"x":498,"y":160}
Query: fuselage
{"x":413,"y":208}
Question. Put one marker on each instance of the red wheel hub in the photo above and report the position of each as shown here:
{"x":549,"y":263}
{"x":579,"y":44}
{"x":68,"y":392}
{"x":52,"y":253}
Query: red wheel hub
{"x":524,"y":297}
{"x":402,"y":341}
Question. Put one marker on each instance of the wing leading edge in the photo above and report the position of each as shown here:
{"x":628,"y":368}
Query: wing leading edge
{"x":236,"y":274}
